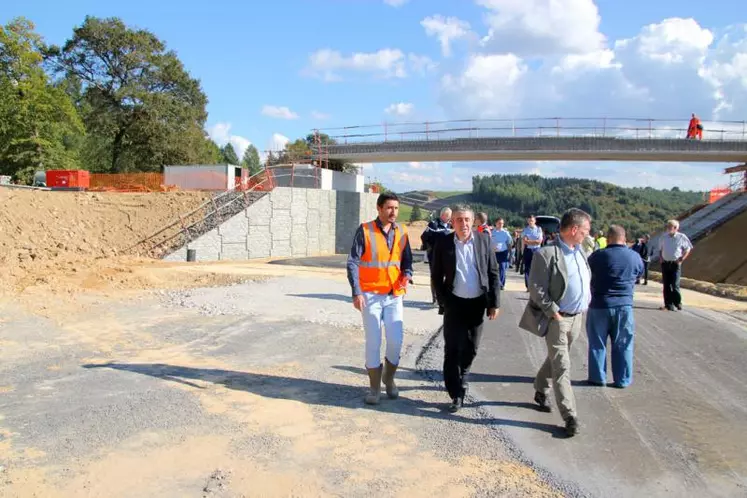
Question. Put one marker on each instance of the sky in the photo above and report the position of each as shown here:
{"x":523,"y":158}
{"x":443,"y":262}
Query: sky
{"x":275,"y":71}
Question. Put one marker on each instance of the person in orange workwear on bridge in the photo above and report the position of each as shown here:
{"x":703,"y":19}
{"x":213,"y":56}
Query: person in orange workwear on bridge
{"x":695,"y":128}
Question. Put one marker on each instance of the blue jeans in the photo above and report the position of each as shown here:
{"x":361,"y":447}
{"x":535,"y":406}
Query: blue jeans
{"x":617,"y":324}
{"x":503,"y":260}
{"x":528,"y":253}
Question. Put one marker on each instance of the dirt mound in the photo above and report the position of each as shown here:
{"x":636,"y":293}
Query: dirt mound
{"x":43,"y":233}
{"x":720,"y":257}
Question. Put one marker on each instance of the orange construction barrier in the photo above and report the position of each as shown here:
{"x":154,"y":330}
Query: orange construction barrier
{"x":718,"y":193}
{"x":127,"y":182}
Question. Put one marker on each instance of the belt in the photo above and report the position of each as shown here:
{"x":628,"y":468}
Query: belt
{"x":567,"y":315}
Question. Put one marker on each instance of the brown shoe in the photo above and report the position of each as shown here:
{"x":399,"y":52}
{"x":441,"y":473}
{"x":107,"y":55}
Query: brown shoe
{"x":541,"y":399}
{"x":388,"y":377}
{"x":571,"y":426}
{"x":374,"y":379}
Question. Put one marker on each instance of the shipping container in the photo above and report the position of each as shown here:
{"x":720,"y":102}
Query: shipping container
{"x":68,"y":178}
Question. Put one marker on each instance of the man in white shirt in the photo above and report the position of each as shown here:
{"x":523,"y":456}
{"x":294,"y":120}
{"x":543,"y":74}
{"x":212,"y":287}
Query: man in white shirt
{"x":501,"y":243}
{"x":531,"y":237}
{"x":674,"y":249}
{"x":465,"y":277}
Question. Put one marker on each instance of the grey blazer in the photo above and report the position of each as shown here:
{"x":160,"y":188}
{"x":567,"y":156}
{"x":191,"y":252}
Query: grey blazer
{"x":547,"y":283}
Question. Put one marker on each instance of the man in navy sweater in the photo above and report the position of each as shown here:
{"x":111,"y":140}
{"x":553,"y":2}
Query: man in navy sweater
{"x":614,"y":271}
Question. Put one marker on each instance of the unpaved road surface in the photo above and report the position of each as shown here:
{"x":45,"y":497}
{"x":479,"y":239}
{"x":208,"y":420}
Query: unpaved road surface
{"x":679,"y":430}
{"x":253,"y":389}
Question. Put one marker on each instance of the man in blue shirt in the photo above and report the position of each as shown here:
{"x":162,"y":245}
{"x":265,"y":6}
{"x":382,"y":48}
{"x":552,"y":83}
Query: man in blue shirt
{"x":531,"y":237}
{"x":614,"y":271}
{"x":501,"y":242}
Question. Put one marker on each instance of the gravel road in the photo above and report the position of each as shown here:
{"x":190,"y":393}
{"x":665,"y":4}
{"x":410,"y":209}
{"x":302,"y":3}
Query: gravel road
{"x":249,"y":390}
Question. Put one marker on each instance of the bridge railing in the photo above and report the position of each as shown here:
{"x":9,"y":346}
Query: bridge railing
{"x":624,"y":128}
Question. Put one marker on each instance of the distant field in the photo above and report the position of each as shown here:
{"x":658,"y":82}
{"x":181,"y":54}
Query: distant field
{"x":445,"y":194}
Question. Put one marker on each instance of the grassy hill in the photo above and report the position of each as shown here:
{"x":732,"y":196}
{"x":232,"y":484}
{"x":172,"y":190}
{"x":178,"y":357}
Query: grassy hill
{"x":513,"y":197}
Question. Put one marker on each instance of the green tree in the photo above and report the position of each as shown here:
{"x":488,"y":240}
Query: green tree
{"x":39,"y":125}
{"x":210,"y":153}
{"x":416,"y":214}
{"x":228,"y":154}
{"x":251,"y":160}
{"x":139,"y":99}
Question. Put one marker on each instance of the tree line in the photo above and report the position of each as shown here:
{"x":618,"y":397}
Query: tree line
{"x":640,"y":210}
{"x":111,"y":99}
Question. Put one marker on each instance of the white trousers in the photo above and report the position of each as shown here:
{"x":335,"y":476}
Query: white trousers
{"x":387,"y":311}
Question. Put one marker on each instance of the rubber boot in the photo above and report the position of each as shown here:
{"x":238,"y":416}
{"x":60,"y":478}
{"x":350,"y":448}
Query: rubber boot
{"x":374,"y":378}
{"x":389,"y":371}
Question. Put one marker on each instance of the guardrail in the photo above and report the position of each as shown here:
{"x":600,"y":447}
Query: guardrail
{"x":631,"y":128}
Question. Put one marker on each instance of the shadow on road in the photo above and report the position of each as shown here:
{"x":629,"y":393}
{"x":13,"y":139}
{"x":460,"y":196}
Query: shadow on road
{"x":348,"y":299}
{"x":307,"y":391}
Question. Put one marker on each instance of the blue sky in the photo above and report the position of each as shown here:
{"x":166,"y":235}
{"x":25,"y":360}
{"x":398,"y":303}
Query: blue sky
{"x":275,"y":70}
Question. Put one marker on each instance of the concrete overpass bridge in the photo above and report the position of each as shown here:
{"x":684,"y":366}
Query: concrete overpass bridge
{"x":547,"y":139}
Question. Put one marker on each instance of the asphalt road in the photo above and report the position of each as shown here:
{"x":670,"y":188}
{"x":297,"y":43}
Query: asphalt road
{"x":679,"y":430}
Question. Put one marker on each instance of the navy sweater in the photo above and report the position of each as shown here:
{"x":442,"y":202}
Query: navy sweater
{"x":614,"y":271}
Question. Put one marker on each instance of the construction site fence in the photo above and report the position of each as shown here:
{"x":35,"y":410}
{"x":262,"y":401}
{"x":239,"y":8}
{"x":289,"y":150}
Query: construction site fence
{"x":281,"y":175}
{"x":127,"y":182}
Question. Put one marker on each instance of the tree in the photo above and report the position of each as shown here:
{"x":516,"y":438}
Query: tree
{"x":39,"y":124}
{"x":139,"y":99}
{"x":228,"y":154}
{"x":315,"y":140}
{"x":251,"y":160}
{"x":416,"y":214}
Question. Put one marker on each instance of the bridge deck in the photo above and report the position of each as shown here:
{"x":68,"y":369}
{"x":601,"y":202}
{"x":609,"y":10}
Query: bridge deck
{"x":542,"y":149}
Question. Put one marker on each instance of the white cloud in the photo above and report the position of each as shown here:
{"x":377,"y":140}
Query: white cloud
{"x":395,"y":3}
{"x":542,"y":27}
{"x":277,"y":142}
{"x":278,"y":112}
{"x":220,"y":133}
{"x":446,"y":30}
{"x":421,"y":64}
{"x":319,"y":115}
{"x":669,"y":70}
{"x":413,"y":179}
{"x":400,"y":109}
{"x":490,"y":85}
{"x":674,"y":40}
{"x":386,"y":63}
{"x":424,"y":166}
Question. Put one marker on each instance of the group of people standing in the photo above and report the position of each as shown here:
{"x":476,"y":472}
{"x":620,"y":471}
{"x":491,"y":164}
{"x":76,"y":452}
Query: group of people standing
{"x":468,"y":261}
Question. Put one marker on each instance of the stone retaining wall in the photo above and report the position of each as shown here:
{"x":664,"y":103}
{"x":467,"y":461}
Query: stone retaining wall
{"x":288,"y":222}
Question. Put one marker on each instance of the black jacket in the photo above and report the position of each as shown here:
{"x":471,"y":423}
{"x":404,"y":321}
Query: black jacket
{"x":444,"y":269}
{"x":436,"y":229}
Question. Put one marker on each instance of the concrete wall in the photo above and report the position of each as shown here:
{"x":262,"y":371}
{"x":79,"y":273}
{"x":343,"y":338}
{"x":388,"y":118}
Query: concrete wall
{"x":337,"y":180}
{"x":288,"y":222}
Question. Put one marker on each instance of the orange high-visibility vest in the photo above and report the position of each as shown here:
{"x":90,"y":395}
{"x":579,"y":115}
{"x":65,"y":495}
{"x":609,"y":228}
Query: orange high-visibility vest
{"x":379,"y":269}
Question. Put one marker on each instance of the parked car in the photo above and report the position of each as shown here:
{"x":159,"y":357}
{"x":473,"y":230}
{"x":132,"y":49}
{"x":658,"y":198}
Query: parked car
{"x":550,"y":226}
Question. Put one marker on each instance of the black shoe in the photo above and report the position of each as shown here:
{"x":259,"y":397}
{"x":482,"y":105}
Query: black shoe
{"x":541,"y":401}
{"x":679,"y":307}
{"x":571,"y":426}
{"x":456,"y":403}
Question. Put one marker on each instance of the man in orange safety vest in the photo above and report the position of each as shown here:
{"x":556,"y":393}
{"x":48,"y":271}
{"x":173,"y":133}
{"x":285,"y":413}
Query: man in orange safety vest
{"x":379,"y":269}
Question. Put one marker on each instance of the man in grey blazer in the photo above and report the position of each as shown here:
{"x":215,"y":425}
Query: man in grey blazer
{"x":559,"y":295}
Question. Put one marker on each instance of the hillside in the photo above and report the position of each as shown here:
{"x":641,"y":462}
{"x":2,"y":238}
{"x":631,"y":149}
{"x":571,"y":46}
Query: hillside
{"x":513,"y":197}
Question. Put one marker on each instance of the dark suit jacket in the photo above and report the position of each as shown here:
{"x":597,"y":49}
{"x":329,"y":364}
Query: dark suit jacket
{"x":444,"y":269}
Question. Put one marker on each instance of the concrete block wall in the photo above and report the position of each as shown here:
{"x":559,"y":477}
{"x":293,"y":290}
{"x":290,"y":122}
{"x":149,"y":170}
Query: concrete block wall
{"x":288,"y":222}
